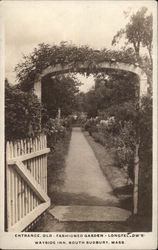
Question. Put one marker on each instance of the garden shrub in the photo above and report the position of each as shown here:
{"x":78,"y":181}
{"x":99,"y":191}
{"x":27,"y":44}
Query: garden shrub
{"x":57,"y":129}
{"x":22,"y":113}
{"x":124,"y":145}
{"x":90,"y":125}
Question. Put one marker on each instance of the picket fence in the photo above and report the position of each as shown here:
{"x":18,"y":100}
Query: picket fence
{"x":26,"y":182}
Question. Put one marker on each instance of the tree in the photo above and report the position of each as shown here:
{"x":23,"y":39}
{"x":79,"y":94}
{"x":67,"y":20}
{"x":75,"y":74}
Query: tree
{"x":80,"y":105}
{"x":60,"y":92}
{"x":91,"y":103}
{"x":148,"y":33}
{"x":137,"y":32}
{"x":112,"y":92}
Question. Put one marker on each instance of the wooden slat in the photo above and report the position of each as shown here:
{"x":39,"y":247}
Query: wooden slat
{"x":33,"y":167}
{"x":25,"y":204}
{"x":46,"y":174}
{"x":15,"y":196}
{"x":45,"y":162}
{"x":22,"y":197}
{"x":25,"y":174}
{"x":16,"y":154}
{"x":38,"y":161}
{"x":35,"y":163}
{"x":12,"y":187}
{"x":27,"y":220}
{"x":31,"y":196}
{"x":25,"y":147}
{"x":28,"y":199}
{"x":19,"y":197}
{"x":8,"y":182}
{"x":28,"y":156}
{"x":43,"y":165}
{"x":40,"y":174}
{"x":31,"y":160}
{"x":22,"y":152}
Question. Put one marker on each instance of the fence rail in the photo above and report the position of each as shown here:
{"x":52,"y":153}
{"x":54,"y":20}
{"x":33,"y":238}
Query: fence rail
{"x":26,"y":179}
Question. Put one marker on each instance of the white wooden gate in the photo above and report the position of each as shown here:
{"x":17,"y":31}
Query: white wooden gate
{"x":26,"y":181}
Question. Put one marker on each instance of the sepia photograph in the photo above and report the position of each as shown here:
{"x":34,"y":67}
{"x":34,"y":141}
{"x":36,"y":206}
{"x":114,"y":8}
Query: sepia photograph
{"x":80,"y":116}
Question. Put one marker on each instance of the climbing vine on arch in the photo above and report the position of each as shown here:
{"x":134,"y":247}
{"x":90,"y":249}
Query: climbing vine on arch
{"x":45,"y":55}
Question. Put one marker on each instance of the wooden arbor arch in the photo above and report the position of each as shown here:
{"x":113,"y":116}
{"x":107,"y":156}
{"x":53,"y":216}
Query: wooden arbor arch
{"x":60,"y":69}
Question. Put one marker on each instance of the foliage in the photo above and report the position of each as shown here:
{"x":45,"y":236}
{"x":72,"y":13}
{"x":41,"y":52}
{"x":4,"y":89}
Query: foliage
{"x":147,"y":36}
{"x":90,"y":125}
{"x":90,"y":101}
{"x":45,"y":55}
{"x":80,"y":105}
{"x":138,"y":32}
{"x":114,"y":94}
{"x":22,"y":113}
{"x":124,"y":144}
{"x":59,"y":92}
{"x":117,"y":135}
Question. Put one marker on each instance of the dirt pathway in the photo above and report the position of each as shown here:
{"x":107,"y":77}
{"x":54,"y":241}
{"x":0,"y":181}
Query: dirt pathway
{"x":83,"y":174}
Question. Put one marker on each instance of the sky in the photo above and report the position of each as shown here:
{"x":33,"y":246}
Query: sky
{"x":93,"y":23}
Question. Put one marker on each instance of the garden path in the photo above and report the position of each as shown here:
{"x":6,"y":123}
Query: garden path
{"x":83,"y":174}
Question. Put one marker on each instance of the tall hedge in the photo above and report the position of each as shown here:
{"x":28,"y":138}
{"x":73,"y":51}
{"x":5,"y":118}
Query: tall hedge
{"x":22,"y":113}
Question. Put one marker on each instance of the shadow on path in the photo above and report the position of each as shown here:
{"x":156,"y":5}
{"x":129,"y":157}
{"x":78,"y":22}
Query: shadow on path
{"x":66,"y":198}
